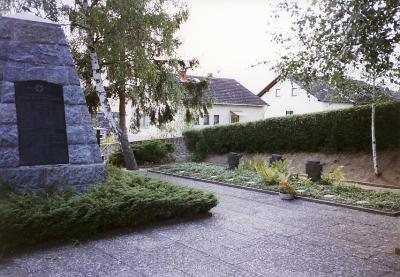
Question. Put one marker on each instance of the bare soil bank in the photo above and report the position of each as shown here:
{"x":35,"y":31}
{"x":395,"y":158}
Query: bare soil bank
{"x":356,"y":166}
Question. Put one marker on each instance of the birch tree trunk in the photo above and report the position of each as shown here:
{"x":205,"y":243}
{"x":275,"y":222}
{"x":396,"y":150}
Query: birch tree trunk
{"x":129,"y":158}
{"x":373,"y":136}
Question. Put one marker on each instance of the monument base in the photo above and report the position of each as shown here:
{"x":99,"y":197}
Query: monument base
{"x":42,"y":177}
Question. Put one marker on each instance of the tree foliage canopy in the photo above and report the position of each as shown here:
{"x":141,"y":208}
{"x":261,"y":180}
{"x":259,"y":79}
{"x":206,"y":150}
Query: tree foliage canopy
{"x":341,"y":39}
{"x":45,"y":8}
{"x":136,"y":46}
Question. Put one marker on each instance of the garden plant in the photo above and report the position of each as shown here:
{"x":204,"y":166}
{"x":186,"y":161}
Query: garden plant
{"x":124,"y":200}
{"x":330,"y":188}
{"x":147,"y":152}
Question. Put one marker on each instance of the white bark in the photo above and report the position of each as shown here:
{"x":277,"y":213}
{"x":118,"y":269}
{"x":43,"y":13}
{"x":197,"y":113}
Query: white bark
{"x":373,"y":136}
{"x":129,"y":158}
{"x":130,"y":161}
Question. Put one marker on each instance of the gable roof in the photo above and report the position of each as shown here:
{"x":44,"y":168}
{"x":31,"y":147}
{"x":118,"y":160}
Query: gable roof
{"x":325,"y":93}
{"x":228,"y":92}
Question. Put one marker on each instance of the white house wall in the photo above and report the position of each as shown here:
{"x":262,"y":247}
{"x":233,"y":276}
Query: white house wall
{"x":175,"y":128}
{"x":299,"y":103}
{"x":247,"y":113}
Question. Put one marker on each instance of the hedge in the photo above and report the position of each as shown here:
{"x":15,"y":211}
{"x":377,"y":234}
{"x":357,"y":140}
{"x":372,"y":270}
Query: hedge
{"x":146,"y":152}
{"x":333,"y":131}
{"x":124,"y":200}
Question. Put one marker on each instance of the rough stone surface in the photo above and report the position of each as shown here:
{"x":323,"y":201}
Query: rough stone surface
{"x":248,"y":234}
{"x":77,"y":176}
{"x":8,"y":135}
{"x":37,"y":51}
{"x":8,"y":114}
{"x":7,"y":94}
{"x":81,"y":154}
{"x":40,"y":178}
{"x":76,"y":115}
{"x":4,"y":29}
{"x":58,"y":74}
{"x":73,"y":95}
{"x":34,"y":32}
{"x":9,"y":156}
{"x":80,"y":134}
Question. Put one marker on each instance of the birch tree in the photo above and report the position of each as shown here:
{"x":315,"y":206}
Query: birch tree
{"x":342,"y":39}
{"x":87,"y":25}
{"x":137,"y":52}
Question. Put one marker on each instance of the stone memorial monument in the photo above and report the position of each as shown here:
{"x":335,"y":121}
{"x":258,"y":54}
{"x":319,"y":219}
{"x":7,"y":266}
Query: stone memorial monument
{"x":46,"y":137}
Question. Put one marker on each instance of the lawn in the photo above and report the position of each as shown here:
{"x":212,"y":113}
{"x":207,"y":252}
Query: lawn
{"x":329,"y":191}
{"x":124,"y":200}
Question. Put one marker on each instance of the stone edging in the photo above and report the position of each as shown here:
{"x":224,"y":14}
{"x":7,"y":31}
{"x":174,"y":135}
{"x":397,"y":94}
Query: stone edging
{"x":308,"y":199}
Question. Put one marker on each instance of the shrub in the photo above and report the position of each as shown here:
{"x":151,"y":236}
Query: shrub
{"x":150,"y":151}
{"x":281,"y":166}
{"x":333,"y":178}
{"x":124,"y":200}
{"x":333,"y":131}
{"x":272,"y":175}
{"x":251,"y":164}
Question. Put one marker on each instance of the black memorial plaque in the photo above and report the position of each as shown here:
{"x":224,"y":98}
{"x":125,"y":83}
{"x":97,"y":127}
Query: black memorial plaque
{"x":41,"y":123}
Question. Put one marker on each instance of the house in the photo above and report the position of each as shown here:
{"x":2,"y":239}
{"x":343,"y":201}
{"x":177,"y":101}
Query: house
{"x":231,"y":103}
{"x":285,"y":97}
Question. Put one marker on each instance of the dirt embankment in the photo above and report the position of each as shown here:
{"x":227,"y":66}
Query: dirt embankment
{"x":356,"y":166}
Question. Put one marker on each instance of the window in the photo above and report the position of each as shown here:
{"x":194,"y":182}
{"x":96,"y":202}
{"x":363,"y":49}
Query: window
{"x":144,"y":122}
{"x":234,"y":118}
{"x":207,"y":120}
{"x":277,"y":92}
{"x":289,"y":112}
{"x":294,"y":91}
{"x":216,"y":119}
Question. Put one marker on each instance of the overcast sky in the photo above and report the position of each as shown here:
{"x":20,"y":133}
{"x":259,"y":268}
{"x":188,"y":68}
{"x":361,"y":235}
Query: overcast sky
{"x":228,"y":37}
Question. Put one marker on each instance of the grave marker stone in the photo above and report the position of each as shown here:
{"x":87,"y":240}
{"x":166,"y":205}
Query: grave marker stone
{"x":46,"y":137}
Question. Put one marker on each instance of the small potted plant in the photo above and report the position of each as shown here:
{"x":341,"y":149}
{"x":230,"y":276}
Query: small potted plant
{"x":286,"y":191}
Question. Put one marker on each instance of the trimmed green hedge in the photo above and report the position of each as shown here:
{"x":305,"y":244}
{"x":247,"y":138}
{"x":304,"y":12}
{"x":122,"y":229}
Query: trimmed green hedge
{"x":333,"y":131}
{"x":146,"y":152}
{"x":124,"y":200}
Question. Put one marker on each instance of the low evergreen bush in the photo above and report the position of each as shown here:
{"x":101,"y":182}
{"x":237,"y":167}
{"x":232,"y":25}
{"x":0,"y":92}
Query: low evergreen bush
{"x":333,"y":131}
{"x":124,"y":200}
{"x":150,"y":151}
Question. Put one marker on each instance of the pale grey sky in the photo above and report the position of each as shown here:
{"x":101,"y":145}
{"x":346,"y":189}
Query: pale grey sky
{"x":228,"y":37}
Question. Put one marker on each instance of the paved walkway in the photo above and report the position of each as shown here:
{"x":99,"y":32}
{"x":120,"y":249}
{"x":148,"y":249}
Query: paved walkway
{"x":249,"y":234}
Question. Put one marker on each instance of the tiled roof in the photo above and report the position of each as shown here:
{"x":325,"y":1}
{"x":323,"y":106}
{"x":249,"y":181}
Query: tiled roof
{"x":229,"y":91}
